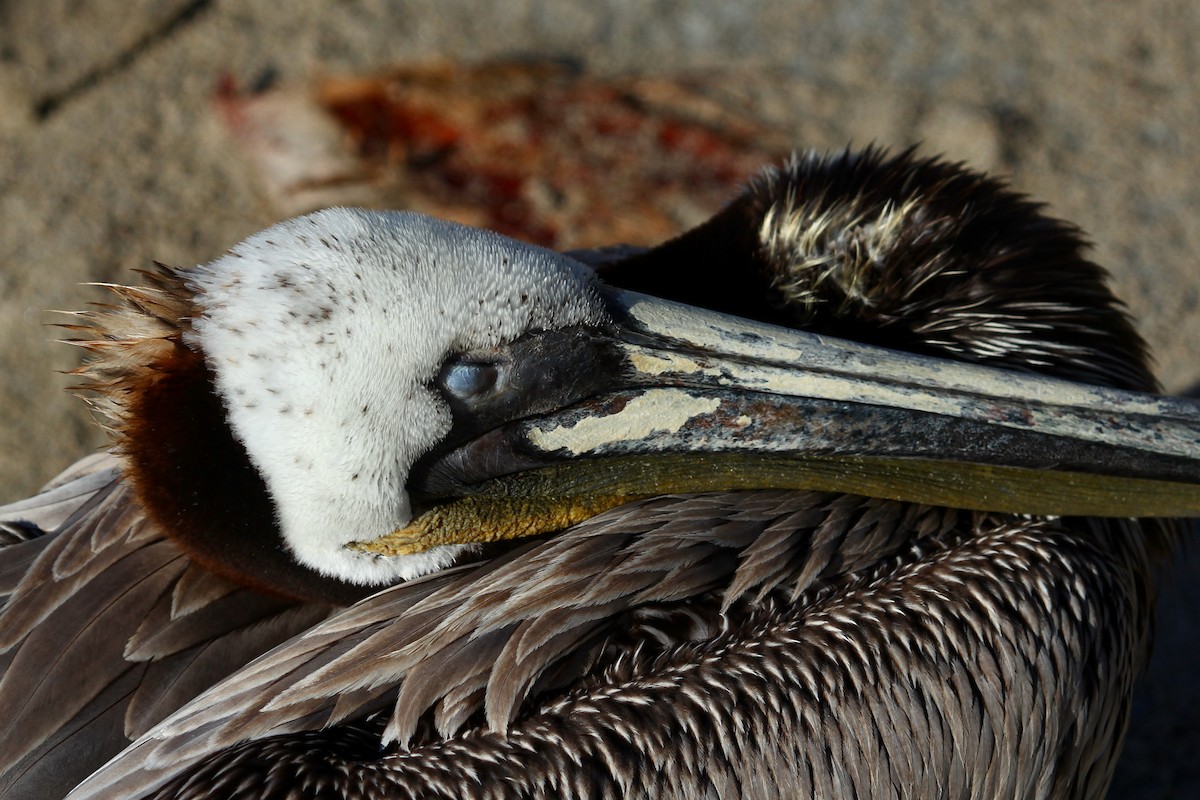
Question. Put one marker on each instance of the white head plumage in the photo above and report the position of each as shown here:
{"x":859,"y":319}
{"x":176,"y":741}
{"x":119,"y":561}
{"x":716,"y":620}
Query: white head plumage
{"x":324,"y":333}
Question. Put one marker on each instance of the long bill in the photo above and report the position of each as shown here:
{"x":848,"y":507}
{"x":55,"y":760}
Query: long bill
{"x":702,"y":401}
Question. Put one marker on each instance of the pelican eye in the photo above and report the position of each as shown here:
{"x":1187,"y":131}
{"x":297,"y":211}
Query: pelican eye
{"x":469,"y":379}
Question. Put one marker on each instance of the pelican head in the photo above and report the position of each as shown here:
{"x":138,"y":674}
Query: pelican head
{"x":328,"y":338}
{"x":385,"y":392}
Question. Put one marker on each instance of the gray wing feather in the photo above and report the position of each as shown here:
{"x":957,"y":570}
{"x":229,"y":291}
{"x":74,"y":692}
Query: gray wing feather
{"x":939,"y":637}
{"x":106,"y":628}
{"x":485,"y":642}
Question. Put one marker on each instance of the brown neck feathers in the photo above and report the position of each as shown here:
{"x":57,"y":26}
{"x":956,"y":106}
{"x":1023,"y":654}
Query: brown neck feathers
{"x":155,"y":394}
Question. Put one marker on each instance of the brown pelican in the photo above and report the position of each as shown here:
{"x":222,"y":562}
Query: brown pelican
{"x":401,"y":508}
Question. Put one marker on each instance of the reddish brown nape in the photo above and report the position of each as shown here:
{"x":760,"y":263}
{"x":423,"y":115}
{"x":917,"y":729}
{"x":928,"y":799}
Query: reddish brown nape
{"x":191,"y":475}
{"x":195,"y":479}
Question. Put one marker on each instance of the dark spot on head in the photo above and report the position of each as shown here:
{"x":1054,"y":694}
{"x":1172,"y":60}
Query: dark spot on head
{"x":354,"y":477}
{"x":365,"y":407}
{"x":324,"y":242}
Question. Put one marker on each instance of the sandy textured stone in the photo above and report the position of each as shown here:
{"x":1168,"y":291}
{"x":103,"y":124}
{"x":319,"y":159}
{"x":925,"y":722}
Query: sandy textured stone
{"x":113,"y":156}
{"x":70,"y":46}
{"x":17,"y":115}
{"x":964,"y":133}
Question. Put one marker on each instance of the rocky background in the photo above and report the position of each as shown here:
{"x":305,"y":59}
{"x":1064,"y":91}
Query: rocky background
{"x":113,"y":153}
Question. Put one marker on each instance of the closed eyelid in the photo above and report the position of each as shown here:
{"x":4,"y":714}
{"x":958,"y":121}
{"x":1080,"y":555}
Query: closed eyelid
{"x":467,"y":379}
